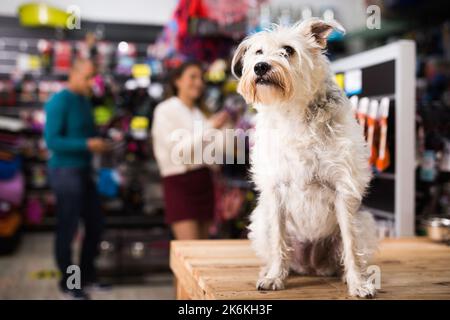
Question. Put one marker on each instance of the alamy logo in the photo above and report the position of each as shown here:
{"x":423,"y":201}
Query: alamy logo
{"x":74,"y":279}
{"x":74,"y":19}
{"x":374,"y":276}
{"x":374,"y":17}
{"x":210,"y":145}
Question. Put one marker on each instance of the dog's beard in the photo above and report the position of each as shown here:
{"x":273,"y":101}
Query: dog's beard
{"x":271,"y":88}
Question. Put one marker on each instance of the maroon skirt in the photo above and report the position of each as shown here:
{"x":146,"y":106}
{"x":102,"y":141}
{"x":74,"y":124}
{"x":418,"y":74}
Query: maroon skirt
{"x":189,"y":196}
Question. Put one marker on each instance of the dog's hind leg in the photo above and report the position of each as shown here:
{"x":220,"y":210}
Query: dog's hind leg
{"x":271,"y":238}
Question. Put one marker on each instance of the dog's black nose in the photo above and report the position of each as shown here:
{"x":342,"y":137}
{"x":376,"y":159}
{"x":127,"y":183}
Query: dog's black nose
{"x":261,"y":68}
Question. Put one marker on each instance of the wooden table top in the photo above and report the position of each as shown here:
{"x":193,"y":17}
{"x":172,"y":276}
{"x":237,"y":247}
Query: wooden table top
{"x":411,"y":268}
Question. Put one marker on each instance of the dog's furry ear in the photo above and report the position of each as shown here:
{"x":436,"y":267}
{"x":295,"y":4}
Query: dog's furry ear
{"x":236,"y":63}
{"x":318,"y":30}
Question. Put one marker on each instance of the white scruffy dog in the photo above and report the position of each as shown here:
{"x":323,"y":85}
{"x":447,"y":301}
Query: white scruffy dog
{"x":309,"y":161}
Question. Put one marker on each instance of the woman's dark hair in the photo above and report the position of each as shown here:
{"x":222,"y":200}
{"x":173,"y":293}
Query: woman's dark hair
{"x":177,"y":73}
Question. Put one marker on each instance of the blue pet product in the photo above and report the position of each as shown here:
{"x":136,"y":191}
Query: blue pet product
{"x":108,"y":182}
{"x":428,"y":168}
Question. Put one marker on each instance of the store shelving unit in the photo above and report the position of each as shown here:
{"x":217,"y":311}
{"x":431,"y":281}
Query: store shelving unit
{"x":127,"y":228}
{"x":15,"y":40}
{"x":403,"y":54}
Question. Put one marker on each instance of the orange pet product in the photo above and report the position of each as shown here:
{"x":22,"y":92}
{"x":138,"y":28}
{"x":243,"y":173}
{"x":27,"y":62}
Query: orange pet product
{"x":354,"y":104}
{"x":362,"y":112}
{"x":371,"y":123}
{"x":10,"y":224}
{"x":383,"y":160}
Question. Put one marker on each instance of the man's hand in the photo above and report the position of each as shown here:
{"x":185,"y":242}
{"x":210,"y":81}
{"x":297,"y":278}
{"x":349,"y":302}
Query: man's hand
{"x":97,"y":145}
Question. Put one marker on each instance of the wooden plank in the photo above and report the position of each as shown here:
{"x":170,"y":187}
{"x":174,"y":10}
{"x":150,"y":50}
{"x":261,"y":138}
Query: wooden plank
{"x":184,"y":277}
{"x":411,"y":268}
{"x":181,"y":292}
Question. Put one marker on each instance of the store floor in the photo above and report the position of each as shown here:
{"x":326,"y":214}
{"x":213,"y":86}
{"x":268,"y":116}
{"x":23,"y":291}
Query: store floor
{"x":22,"y":276}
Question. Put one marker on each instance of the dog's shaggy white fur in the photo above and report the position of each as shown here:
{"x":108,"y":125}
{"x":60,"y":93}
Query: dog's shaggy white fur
{"x":309,"y":161}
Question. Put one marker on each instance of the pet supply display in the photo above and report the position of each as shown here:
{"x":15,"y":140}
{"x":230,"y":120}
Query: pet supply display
{"x":445,"y":161}
{"x":382,"y":76}
{"x":216,"y":71}
{"x":371,"y":125}
{"x":428,"y":169}
{"x":38,"y":176}
{"x":156,"y":91}
{"x":354,"y":102}
{"x":11,"y":124}
{"x":98,"y":86}
{"x":10,"y":232}
{"x":12,"y":190}
{"x":5,"y":209}
{"x":108,"y":182}
{"x":28,"y":92}
{"x":10,"y":168}
{"x":34,"y":211}
{"x":361,"y":114}
{"x":28,"y":63}
{"x":126,"y":53}
{"x":45,"y":48}
{"x":139,"y":127}
{"x":42,"y":15}
{"x":212,"y":99}
{"x":383,"y":159}
{"x":235,"y":105}
{"x":438,"y":228}
{"x":35,"y":120}
{"x":7,"y":93}
{"x":62,"y":56}
{"x":104,"y":57}
{"x":102,"y":115}
{"x":9,"y":225}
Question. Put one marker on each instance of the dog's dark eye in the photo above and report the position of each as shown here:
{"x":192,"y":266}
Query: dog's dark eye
{"x":289,"y":50}
{"x":259,"y":51}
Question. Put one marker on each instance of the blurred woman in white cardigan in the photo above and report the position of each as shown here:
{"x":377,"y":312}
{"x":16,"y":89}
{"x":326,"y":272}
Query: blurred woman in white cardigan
{"x":188,"y":187}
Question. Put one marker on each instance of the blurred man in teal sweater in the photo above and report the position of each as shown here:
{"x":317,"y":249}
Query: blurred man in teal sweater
{"x":70,"y":137}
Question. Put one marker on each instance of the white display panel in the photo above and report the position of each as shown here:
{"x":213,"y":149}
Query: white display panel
{"x":403,"y":54}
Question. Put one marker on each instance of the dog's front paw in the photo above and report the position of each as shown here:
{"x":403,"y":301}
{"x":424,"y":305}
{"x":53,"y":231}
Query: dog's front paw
{"x":266,"y":283}
{"x":362,"y":290}
{"x":263,"y":272}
